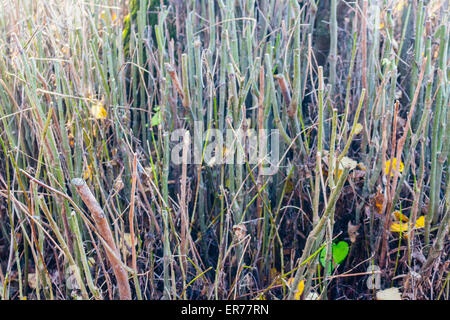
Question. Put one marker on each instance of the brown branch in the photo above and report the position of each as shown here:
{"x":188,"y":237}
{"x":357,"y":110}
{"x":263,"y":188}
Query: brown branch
{"x":176,"y":81}
{"x":286,"y":94}
{"x":399,"y":152}
{"x":131,"y":214}
{"x":103,"y":228}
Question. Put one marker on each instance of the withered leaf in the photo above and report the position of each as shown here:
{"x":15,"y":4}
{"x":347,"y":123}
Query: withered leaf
{"x":352,"y":231}
{"x":378,"y":201}
{"x":240,"y":231}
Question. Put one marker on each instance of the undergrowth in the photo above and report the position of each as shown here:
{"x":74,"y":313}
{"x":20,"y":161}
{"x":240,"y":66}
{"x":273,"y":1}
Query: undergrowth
{"x":97,"y":90}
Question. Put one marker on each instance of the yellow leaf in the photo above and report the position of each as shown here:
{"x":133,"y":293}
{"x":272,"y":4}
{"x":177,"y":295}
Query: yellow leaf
{"x":404,"y":227}
{"x":358,"y":128}
{"x":394,"y":166}
{"x":300,"y":288}
{"x":399,"y":227}
{"x":420,"y":222}
{"x":379,"y":206}
{"x":91,"y":262}
{"x":400,"y":216}
{"x":87,"y":172}
{"x":98,"y":111}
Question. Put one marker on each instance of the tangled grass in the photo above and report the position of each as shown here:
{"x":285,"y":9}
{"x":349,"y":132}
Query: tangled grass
{"x":93,"y":204}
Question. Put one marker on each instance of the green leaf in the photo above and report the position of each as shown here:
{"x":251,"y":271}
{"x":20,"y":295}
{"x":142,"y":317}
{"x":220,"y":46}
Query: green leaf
{"x":340,"y":252}
{"x":156,"y":118}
